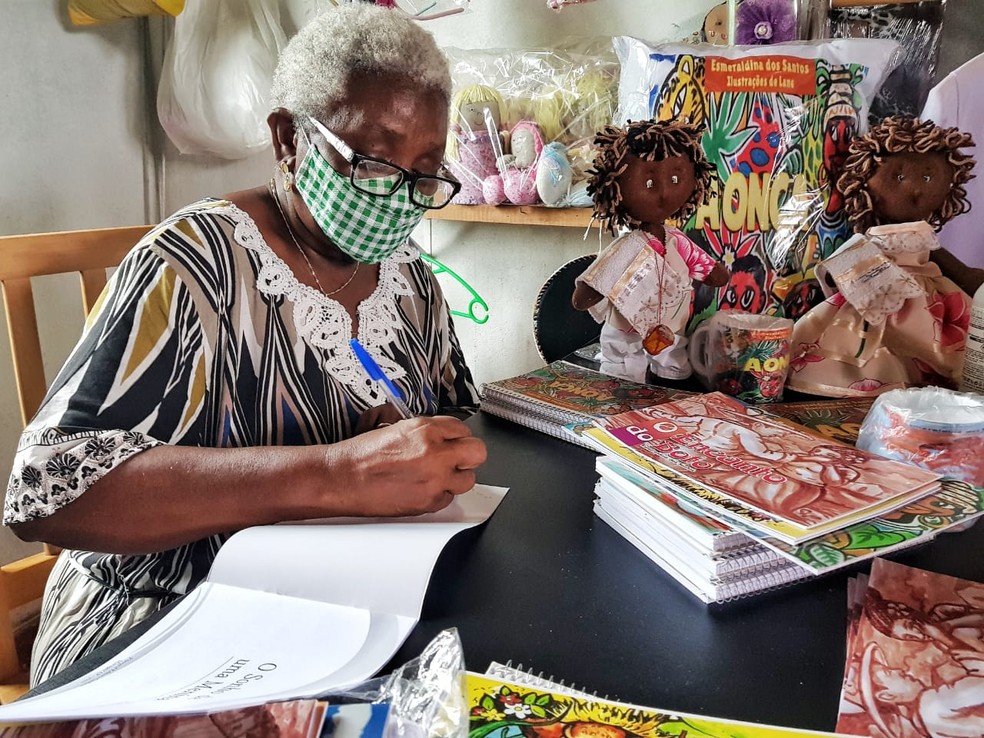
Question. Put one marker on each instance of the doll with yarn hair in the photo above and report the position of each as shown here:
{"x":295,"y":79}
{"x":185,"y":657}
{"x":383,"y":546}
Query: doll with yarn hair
{"x":474,"y":140}
{"x":892,"y":317}
{"x":516,"y":180}
{"x":640,"y":287}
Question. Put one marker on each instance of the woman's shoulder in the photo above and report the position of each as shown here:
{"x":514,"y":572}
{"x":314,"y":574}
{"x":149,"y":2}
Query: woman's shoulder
{"x":202,"y":233}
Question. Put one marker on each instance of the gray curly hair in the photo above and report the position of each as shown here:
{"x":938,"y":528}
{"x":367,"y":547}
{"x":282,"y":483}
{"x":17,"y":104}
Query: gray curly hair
{"x":350,"y":40}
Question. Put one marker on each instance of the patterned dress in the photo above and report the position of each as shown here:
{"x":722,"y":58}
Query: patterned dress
{"x":204,"y":337}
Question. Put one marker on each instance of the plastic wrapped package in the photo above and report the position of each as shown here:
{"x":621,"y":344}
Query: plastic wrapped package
{"x":426,"y":696}
{"x":214,"y":92}
{"x":934,"y":428}
{"x":917,"y":26}
{"x":777,"y":122}
{"x":421,"y":10}
{"x":523,"y":121}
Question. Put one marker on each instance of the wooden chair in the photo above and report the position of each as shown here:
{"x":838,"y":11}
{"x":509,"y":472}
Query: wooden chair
{"x":89,"y":253}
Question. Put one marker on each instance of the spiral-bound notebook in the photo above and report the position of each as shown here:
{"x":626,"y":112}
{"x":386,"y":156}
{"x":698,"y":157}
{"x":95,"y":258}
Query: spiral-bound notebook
{"x":562,"y":393}
{"x":508,"y":701}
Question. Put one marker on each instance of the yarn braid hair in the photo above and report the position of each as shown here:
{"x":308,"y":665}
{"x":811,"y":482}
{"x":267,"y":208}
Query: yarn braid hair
{"x":651,"y":141}
{"x":900,"y":135}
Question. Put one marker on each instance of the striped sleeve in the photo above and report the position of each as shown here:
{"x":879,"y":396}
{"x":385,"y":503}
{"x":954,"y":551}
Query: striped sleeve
{"x":135,"y":380}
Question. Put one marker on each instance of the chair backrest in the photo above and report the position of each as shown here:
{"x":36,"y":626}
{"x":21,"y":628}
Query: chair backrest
{"x":559,"y":329}
{"x":89,"y":253}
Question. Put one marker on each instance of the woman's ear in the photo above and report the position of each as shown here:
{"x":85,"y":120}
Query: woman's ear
{"x":282,"y":133}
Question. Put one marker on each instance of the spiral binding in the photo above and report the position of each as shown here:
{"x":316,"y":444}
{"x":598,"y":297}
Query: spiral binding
{"x":526,"y":678}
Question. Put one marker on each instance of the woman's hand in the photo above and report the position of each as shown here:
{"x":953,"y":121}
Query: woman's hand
{"x":377,"y":417}
{"x":411,"y":467}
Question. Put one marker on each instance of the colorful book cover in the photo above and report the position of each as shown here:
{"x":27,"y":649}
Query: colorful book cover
{"x":570,"y":393}
{"x":838,"y":418}
{"x":915,"y":664}
{"x":709,"y":534}
{"x":766,"y":462}
{"x":501,"y":709}
{"x":293,"y":719}
{"x":915,"y":522}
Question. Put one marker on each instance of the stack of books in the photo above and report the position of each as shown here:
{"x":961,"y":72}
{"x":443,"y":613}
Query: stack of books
{"x":732,"y":500}
{"x":563,"y":395}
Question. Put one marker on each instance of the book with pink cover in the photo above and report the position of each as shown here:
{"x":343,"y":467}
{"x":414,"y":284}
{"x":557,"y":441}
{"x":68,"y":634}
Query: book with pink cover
{"x":915,"y":655}
{"x":766,"y":462}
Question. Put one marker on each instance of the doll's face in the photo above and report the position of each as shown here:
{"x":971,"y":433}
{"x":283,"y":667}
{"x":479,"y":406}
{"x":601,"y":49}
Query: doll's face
{"x":716,"y":25}
{"x":523,"y":147}
{"x":473,"y":115}
{"x":653,"y":191}
{"x":910,"y":186}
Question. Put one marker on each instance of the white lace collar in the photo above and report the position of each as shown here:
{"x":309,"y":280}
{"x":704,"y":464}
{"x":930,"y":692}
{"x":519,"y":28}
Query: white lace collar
{"x":323,"y":322}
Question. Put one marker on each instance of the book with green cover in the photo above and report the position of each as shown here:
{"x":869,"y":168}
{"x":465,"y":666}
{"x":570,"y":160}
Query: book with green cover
{"x":509,"y":709}
{"x":839,"y":418}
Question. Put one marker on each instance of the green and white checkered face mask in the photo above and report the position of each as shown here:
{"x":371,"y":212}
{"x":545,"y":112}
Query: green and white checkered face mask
{"x":368,"y":228}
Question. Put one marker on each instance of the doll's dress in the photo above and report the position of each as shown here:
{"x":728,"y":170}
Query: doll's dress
{"x":644,"y":285}
{"x":890,"y":320}
{"x":476,"y":160}
{"x":519,"y":185}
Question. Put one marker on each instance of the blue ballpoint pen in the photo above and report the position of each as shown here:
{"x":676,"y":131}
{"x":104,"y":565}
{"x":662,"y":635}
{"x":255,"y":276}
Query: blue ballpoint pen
{"x":376,"y":374}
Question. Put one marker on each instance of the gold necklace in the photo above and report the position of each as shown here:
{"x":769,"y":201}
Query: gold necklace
{"x":290,"y":231}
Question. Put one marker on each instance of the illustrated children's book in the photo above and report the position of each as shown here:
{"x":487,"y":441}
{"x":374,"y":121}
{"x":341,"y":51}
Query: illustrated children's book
{"x":501,"y":709}
{"x":839,"y":418}
{"x":287,"y":612}
{"x":292,"y":719}
{"x":705,"y":534}
{"x":767,"y":463}
{"x":567,"y":393}
{"x":916,"y":522}
{"x":915,"y":661}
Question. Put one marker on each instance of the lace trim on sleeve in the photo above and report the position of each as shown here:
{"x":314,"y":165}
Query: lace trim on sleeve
{"x":53,"y":468}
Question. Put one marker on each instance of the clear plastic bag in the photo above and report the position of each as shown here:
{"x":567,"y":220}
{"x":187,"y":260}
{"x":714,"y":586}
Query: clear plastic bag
{"x":426,"y":696}
{"x":421,"y":10}
{"x":523,"y":121}
{"x":932,"y":427}
{"x":918,"y":28}
{"x":777,"y":123}
{"x":214,"y":93}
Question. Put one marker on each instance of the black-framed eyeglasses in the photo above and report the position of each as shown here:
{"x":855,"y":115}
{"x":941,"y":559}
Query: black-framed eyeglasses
{"x":382,"y":178}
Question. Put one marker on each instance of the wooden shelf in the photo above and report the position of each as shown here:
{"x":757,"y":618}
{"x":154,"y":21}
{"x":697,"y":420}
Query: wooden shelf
{"x":532,"y":215}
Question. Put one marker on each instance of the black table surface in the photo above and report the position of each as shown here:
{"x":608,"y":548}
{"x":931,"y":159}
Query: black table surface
{"x":547,"y":584}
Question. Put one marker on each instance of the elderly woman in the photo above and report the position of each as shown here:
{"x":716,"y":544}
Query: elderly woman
{"x":214,"y":387}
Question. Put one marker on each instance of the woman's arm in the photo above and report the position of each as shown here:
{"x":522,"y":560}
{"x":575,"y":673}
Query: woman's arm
{"x":171,"y":495}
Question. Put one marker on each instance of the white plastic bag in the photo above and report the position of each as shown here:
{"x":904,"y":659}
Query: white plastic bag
{"x":214,"y":93}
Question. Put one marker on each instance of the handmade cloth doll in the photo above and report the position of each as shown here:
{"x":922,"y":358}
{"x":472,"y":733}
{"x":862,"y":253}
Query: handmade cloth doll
{"x":891,"y":318}
{"x":474,"y":140}
{"x":640,"y":286}
{"x":715,"y":28}
{"x":516,"y":180}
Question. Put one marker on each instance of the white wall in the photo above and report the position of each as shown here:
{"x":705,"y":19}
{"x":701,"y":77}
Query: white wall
{"x":82,"y":148}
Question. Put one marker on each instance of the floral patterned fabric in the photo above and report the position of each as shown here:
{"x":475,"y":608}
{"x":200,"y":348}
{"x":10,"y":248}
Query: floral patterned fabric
{"x":837,"y":352}
{"x":204,"y":337}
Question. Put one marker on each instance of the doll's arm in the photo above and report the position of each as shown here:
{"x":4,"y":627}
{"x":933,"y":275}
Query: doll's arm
{"x":585,"y":296}
{"x":966,"y":278}
{"x":718,"y":277}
